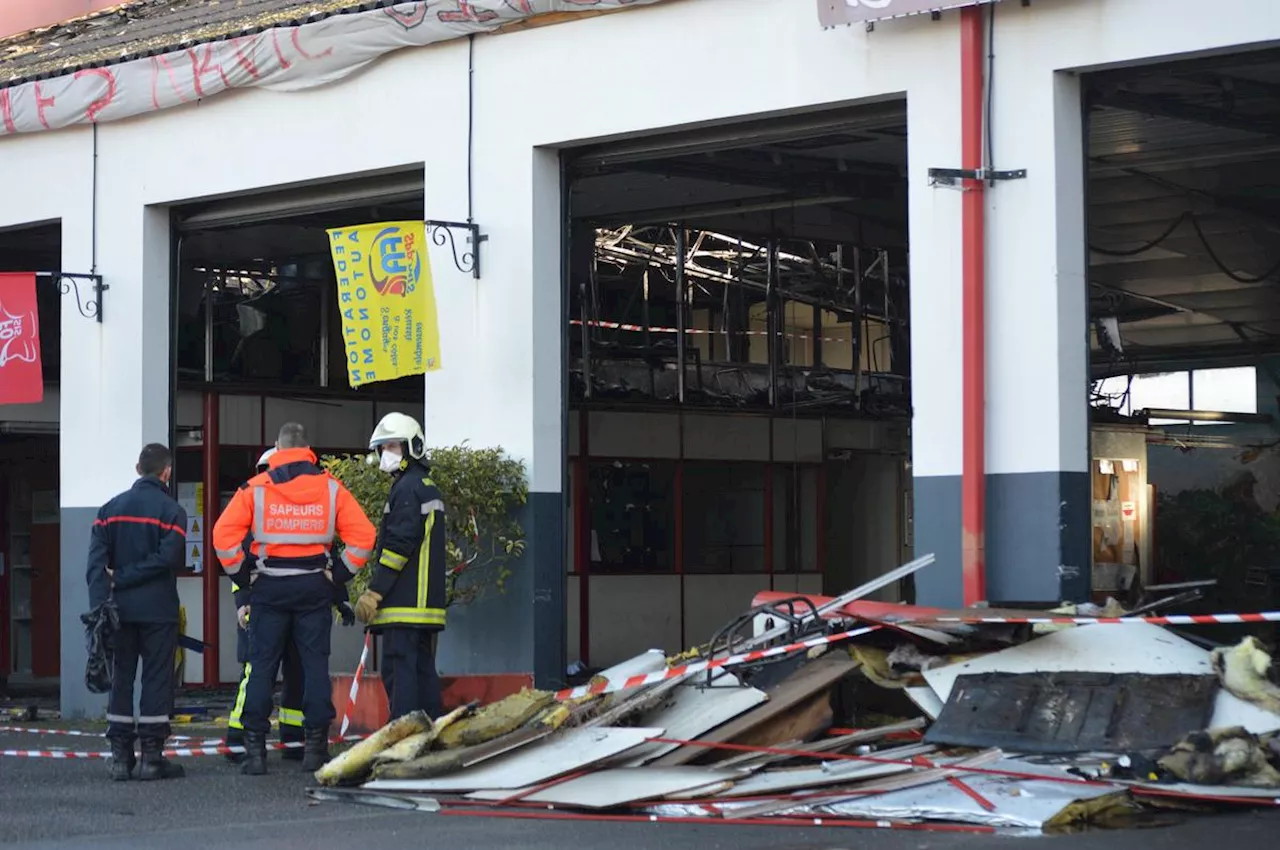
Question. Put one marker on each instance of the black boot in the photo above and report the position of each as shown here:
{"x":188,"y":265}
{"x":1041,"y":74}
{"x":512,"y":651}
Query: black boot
{"x":122,"y":760}
{"x":235,"y":738}
{"x":293,"y":736}
{"x":317,"y":749}
{"x":255,"y":755}
{"x":154,"y":764}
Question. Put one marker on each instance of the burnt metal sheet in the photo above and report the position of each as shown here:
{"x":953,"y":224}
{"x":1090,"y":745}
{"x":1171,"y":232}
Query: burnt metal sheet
{"x":1073,"y":712}
{"x":834,"y":13}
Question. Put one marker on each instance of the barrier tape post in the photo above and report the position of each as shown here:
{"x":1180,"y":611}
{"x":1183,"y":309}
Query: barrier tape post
{"x":607,"y":687}
{"x":355,"y":687}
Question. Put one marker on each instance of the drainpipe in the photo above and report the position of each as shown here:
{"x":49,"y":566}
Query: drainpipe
{"x":973,"y":343}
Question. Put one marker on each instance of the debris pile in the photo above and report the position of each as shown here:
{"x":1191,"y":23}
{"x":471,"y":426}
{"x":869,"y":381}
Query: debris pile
{"x":847,"y":712}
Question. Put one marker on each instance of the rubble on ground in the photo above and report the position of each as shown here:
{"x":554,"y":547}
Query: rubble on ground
{"x":858,"y":713}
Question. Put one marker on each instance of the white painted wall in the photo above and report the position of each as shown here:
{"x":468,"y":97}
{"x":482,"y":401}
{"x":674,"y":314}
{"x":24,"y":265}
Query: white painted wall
{"x":500,"y":384}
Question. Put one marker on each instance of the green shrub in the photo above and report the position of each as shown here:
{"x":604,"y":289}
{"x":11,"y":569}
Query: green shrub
{"x":483,"y":489}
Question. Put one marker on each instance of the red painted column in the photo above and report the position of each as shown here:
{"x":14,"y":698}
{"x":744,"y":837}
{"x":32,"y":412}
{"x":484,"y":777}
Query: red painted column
{"x":973,"y":311}
{"x":212,"y":569}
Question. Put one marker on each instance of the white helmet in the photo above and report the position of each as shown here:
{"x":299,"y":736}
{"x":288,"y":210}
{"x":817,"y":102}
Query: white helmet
{"x":265,"y":458}
{"x":399,"y":428}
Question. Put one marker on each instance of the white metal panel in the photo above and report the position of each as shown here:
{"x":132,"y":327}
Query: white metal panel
{"x":228,"y":664}
{"x":809,"y":583}
{"x":240,"y":421}
{"x":565,"y":753}
{"x":630,"y":614}
{"x":1110,"y":648}
{"x":712,"y":601}
{"x":926,"y":700}
{"x":190,"y":409}
{"x":797,"y":440}
{"x":605,"y":789}
{"x":691,"y":711}
{"x":726,"y":438}
{"x":655,"y":435}
{"x":330,"y":424}
{"x":191,"y":598}
{"x":827,"y":773}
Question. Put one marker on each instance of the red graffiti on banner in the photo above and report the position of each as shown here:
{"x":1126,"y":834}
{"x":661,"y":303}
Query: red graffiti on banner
{"x":285,"y":64}
{"x":94,"y":109}
{"x":158,"y":62}
{"x":203,"y":63}
{"x":43,"y":103}
{"x":297,"y":45}
{"x":21,"y":378}
{"x":246,"y":62}
{"x":6,"y":111}
{"x":466,"y":13}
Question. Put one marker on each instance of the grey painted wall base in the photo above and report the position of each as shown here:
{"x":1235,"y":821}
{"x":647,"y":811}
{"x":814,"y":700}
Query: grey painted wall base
{"x":522,"y":630}
{"x":76,"y":700}
{"x":1038,"y":538}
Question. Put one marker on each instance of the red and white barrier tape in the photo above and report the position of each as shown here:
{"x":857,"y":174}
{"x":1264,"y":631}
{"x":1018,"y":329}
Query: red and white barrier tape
{"x":1167,"y":620}
{"x":355,"y":686}
{"x":178,"y":752}
{"x":27,"y":730}
{"x":607,"y":687}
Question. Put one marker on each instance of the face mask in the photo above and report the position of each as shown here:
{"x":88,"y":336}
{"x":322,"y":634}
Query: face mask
{"x":390,"y":461}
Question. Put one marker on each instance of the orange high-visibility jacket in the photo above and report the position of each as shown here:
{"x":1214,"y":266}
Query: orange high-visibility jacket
{"x":293,"y":511}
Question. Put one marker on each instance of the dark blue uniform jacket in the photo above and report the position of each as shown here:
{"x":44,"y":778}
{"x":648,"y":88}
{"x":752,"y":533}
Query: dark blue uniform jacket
{"x":141,"y":535}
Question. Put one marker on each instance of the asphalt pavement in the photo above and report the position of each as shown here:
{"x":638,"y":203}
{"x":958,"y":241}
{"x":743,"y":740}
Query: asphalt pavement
{"x":63,"y":804}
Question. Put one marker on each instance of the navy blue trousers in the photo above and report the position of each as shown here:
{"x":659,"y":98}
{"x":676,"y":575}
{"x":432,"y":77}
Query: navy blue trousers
{"x":156,"y":645}
{"x":297,"y":609}
{"x":409,"y":671}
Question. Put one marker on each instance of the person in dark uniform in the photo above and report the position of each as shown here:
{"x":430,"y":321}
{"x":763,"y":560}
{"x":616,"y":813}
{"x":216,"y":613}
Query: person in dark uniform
{"x":405,"y":601}
{"x":289,"y":717}
{"x":137,"y":547}
{"x":294,"y":511}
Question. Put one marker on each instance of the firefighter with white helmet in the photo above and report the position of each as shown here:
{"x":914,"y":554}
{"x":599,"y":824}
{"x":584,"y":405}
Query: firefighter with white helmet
{"x":405,"y":602}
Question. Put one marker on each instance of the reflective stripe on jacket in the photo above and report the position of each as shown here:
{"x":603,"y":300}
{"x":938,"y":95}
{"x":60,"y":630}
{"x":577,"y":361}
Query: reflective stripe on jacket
{"x":293,"y":512}
{"x":410,"y":566}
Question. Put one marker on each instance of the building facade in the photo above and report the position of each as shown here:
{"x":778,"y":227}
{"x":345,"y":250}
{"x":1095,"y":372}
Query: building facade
{"x":482,"y":124}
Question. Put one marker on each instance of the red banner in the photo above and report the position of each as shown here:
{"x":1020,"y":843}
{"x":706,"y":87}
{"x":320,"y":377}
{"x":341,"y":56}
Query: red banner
{"x":21,"y":380}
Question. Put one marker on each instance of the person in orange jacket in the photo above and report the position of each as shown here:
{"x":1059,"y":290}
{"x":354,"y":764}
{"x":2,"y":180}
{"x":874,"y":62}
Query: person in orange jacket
{"x":293,"y":511}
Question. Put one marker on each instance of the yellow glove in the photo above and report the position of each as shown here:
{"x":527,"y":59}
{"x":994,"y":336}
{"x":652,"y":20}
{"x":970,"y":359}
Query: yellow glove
{"x":367,"y":606}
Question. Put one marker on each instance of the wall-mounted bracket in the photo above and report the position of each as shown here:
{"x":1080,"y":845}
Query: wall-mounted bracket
{"x":90,"y":307}
{"x":468,"y":261}
{"x":952,"y":176}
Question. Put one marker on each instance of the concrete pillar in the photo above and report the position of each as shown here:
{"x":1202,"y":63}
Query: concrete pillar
{"x":114,"y":388}
{"x":1037,"y":538}
{"x":1038,"y":491}
{"x":501,"y":383}
{"x":933,"y":141}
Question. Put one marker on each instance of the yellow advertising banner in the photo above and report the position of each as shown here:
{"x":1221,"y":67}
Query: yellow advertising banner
{"x":387,"y":301}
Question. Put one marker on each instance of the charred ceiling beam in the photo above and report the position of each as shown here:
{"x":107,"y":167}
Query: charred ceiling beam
{"x":1223,"y":64}
{"x":1230,"y":86}
{"x":736,"y":172}
{"x":1165,"y":107}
